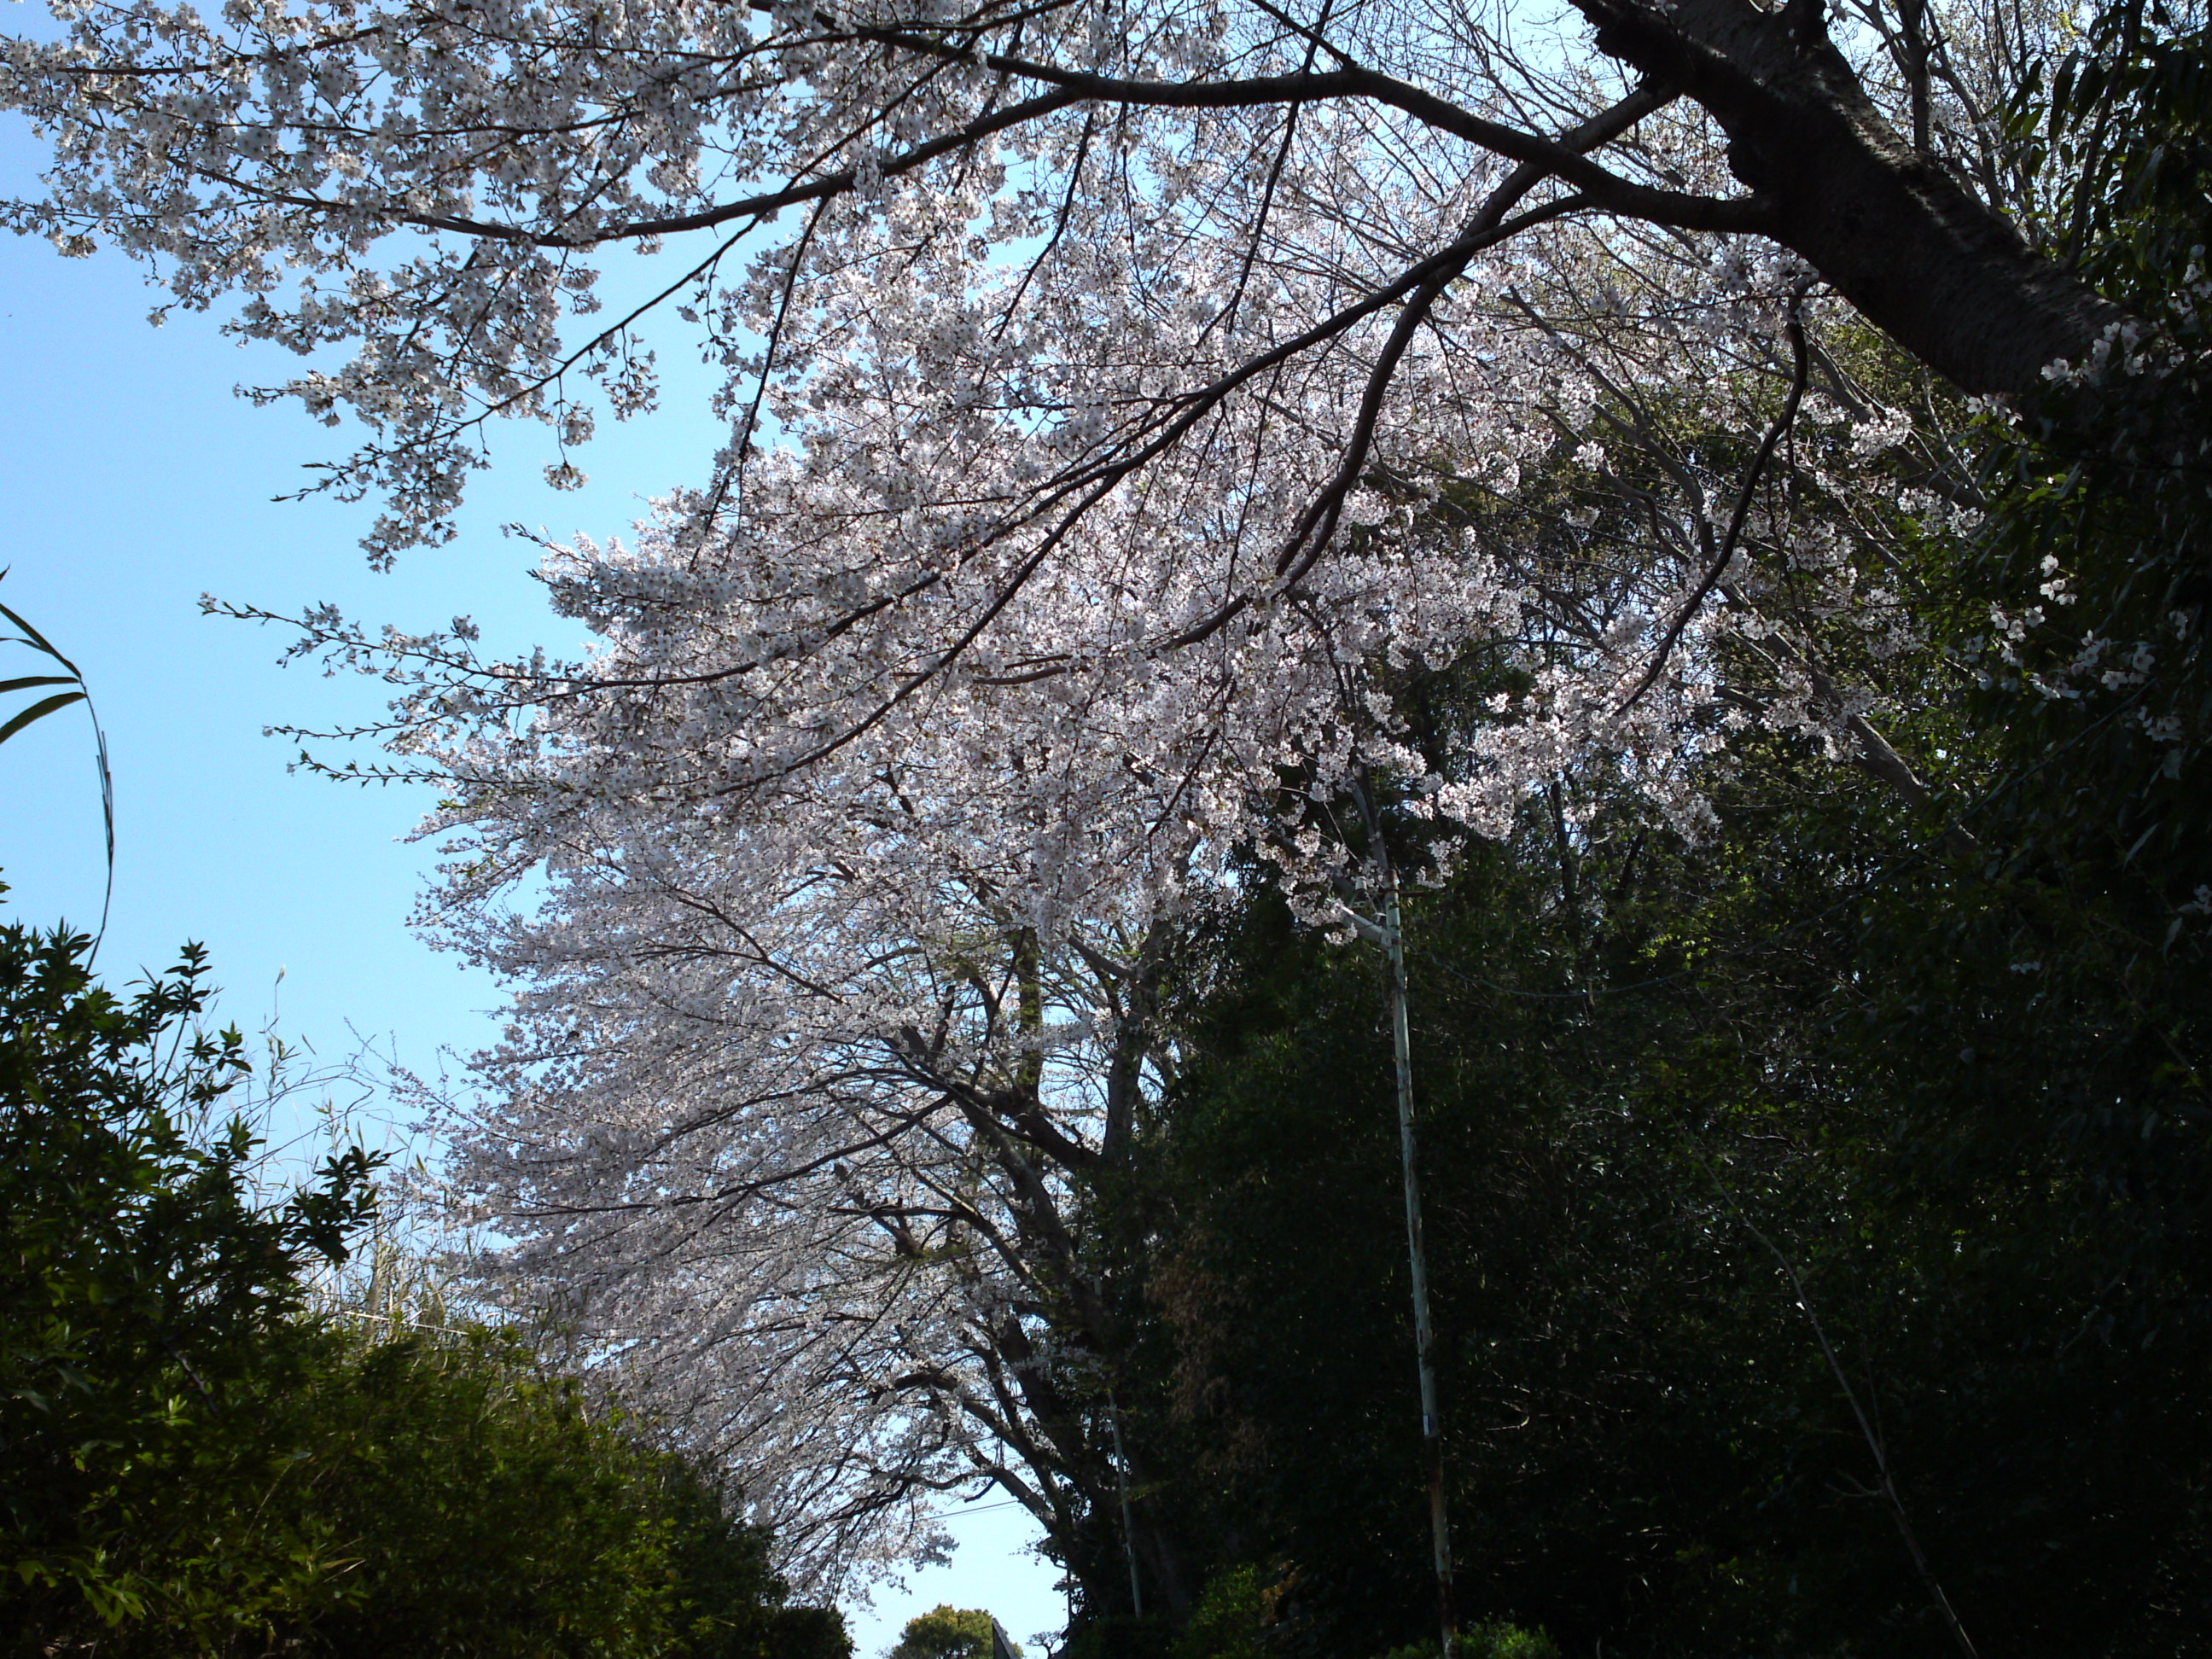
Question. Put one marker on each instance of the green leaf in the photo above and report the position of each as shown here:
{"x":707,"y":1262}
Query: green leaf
{"x":30,"y":680}
{"x":33,"y":637}
{"x":39,"y":711}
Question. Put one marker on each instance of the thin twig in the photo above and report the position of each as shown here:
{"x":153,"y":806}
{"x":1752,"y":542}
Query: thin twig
{"x":1867,"y":1430}
{"x":1801,"y":365}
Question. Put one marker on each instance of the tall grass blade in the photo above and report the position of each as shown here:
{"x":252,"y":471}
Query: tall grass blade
{"x":46,"y":706}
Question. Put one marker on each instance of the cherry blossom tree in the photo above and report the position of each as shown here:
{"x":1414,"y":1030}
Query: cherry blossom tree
{"x":1126,"y":401}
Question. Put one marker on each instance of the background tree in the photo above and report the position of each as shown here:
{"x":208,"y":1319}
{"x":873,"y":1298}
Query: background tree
{"x":947,"y":1632}
{"x":1817,"y":1254}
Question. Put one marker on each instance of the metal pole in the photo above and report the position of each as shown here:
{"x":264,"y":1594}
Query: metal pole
{"x":1390,"y":936}
{"x":1128,"y":1532}
{"x":1424,"y":1335}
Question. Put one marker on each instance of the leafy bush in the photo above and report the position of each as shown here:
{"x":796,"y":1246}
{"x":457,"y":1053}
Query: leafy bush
{"x":194,"y":1463}
{"x":144,"y":1305}
{"x":486,"y":1510}
{"x":1495,"y":1640}
{"x":1233,"y":1618}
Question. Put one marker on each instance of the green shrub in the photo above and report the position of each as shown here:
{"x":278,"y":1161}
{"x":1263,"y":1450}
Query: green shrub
{"x":146,"y":1308}
{"x":190,"y":1464}
{"x":1495,"y":1639}
{"x":1234,"y":1615}
{"x":487,"y":1511}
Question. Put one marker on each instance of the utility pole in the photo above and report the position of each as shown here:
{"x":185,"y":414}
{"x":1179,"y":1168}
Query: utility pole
{"x":1389,"y":934}
{"x":1128,"y":1528}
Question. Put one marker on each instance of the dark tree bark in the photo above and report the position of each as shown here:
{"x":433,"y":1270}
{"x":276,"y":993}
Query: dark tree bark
{"x":1945,"y":276}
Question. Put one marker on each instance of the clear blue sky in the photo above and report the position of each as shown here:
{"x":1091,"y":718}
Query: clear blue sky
{"x":132,"y":481}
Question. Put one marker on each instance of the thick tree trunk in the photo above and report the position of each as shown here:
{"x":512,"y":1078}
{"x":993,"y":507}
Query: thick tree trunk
{"x":1893,"y":232}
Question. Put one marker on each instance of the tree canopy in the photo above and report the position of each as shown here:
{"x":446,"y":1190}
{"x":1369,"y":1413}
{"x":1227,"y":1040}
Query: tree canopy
{"x":947,"y":1632}
{"x":1177,"y":450}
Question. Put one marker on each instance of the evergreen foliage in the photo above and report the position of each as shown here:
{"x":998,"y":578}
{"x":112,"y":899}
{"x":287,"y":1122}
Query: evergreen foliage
{"x":145,"y":1304}
{"x":946,"y":1632}
{"x":1644,"y":1133}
